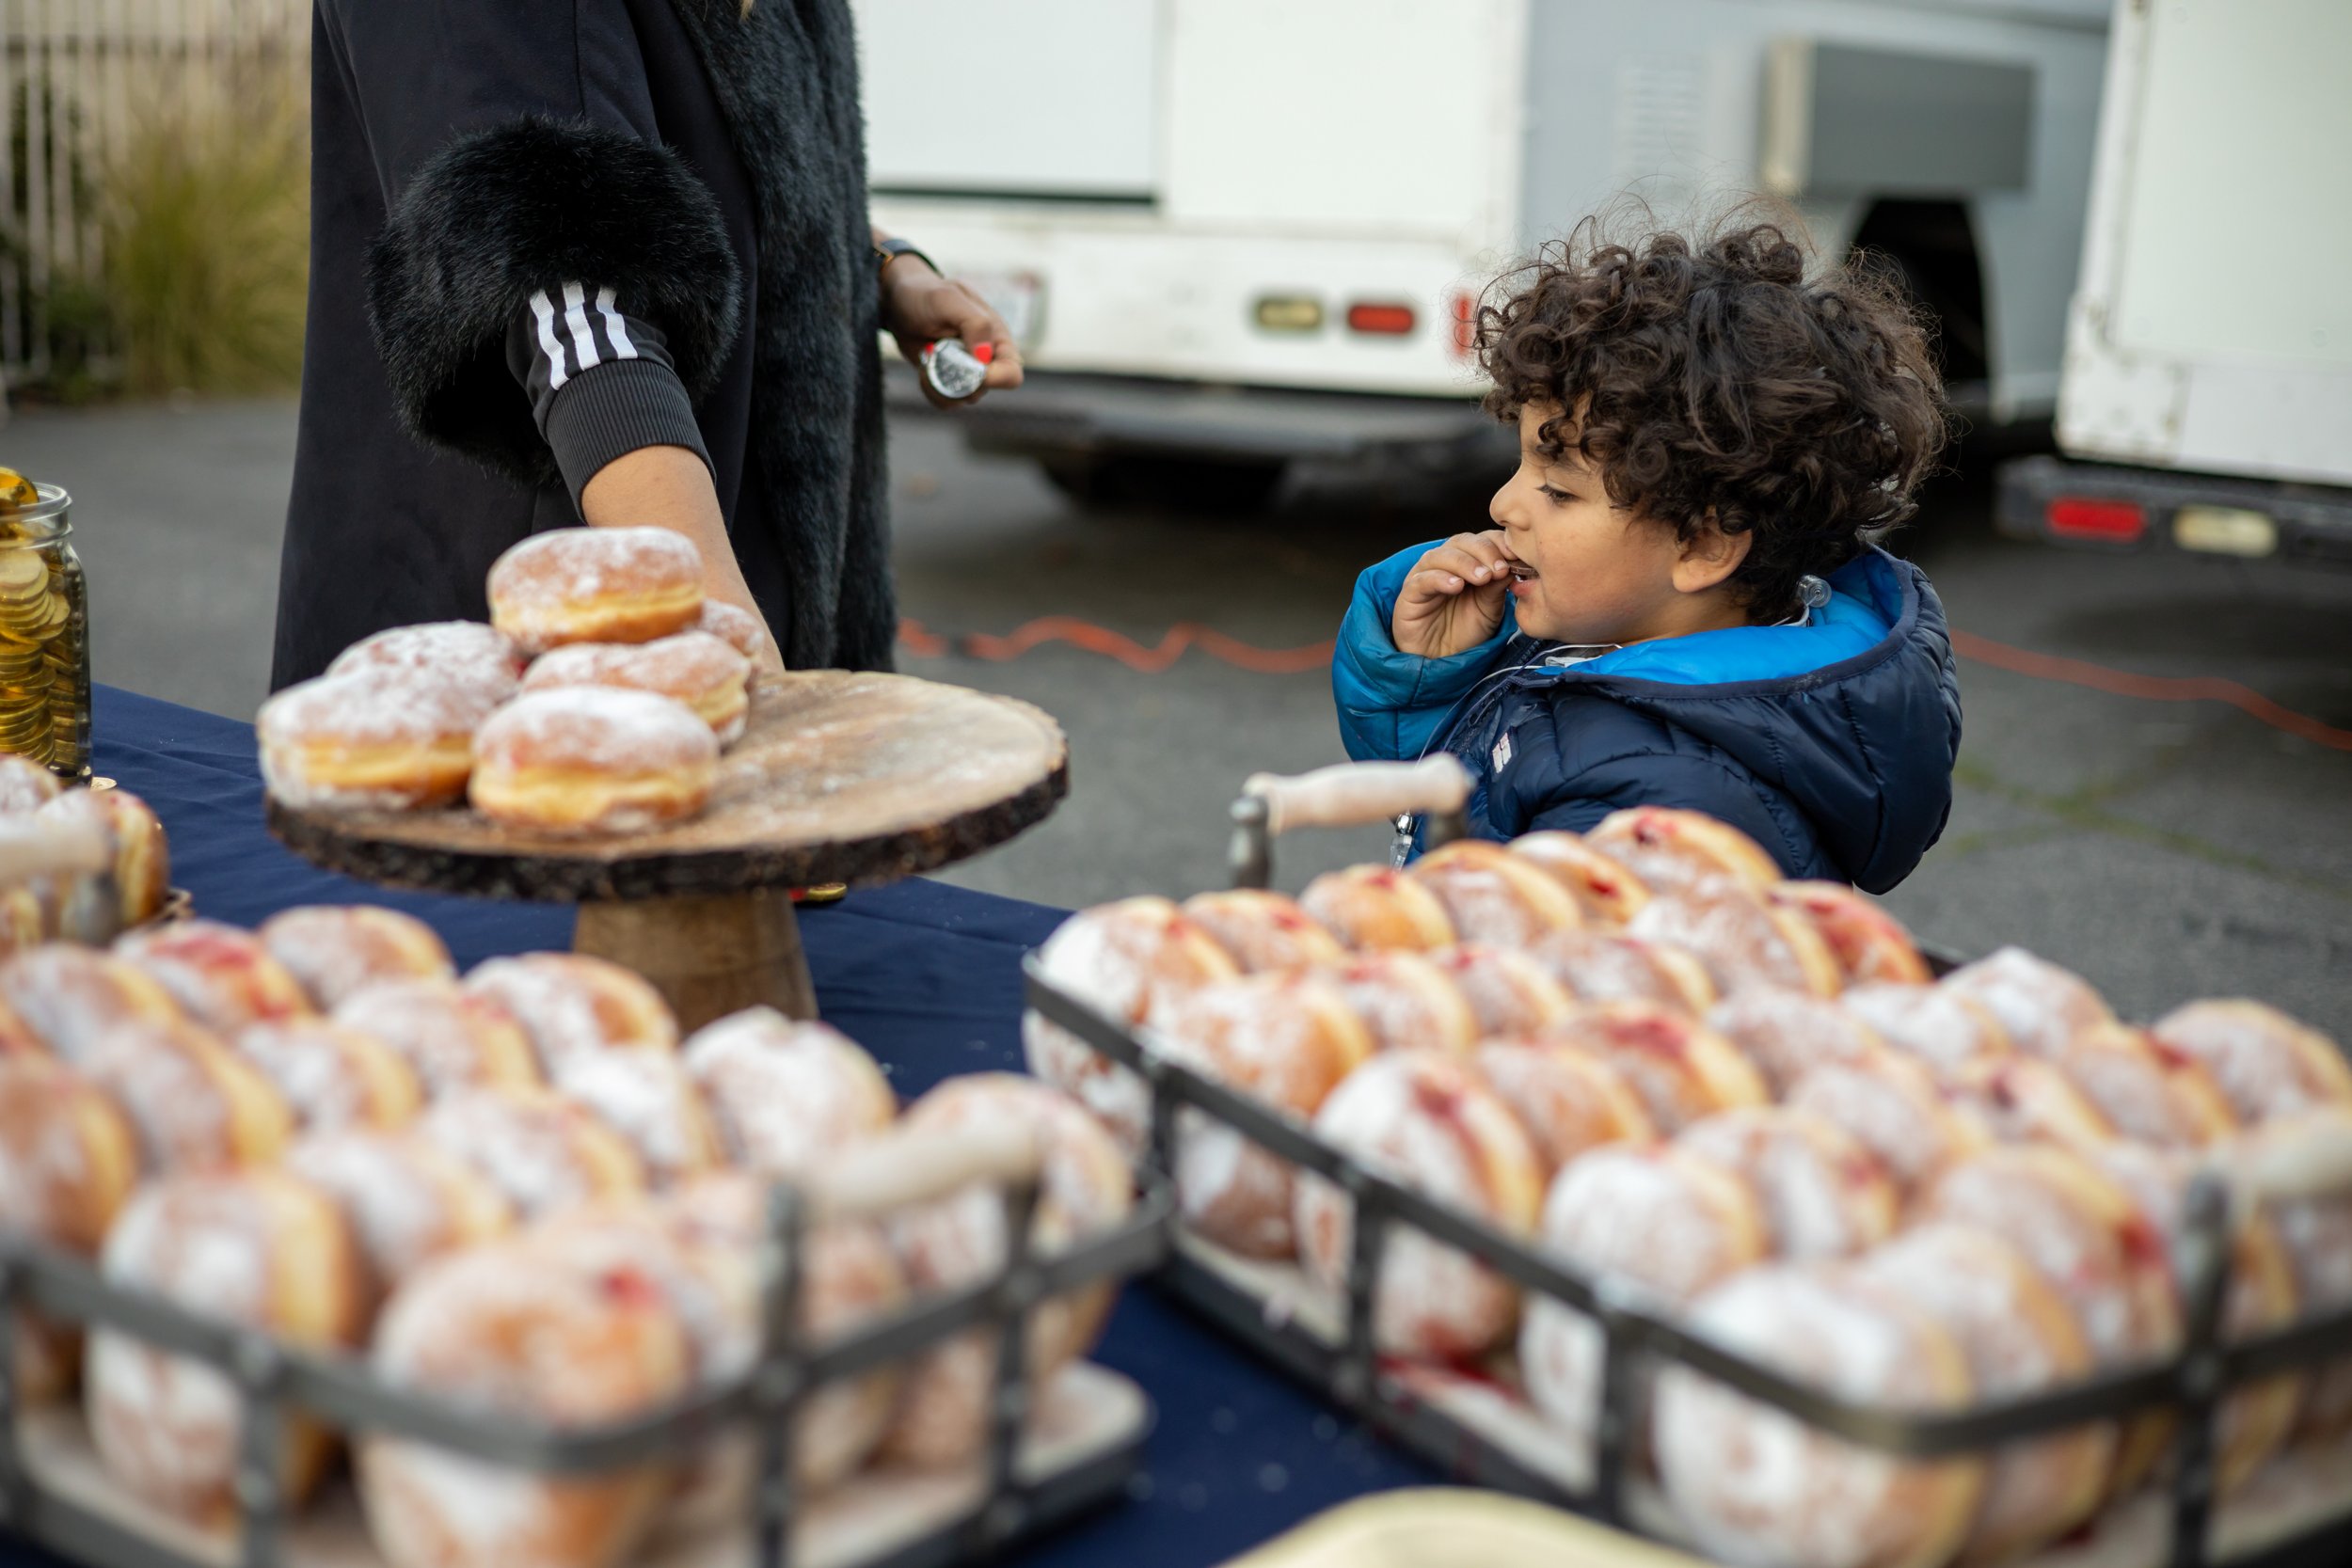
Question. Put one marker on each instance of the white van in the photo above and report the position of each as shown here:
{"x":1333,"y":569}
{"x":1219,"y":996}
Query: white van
{"x":1236,"y":233}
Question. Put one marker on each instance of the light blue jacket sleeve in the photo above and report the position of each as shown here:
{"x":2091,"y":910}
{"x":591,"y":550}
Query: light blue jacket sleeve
{"x":1392,"y":704}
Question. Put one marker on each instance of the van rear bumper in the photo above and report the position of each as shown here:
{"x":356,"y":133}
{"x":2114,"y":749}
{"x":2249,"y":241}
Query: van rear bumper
{"x":1060,"y":414}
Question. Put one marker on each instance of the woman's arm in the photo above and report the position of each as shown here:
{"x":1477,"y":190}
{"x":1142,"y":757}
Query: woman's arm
{"x":670,"y":487}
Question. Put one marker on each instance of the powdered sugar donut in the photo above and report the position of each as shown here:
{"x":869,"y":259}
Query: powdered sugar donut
{"x":1870,"y":945}
{"x":1824,"y":1193}
{"x":1568,"y":1100}
{"x":786,"y":1094}
{"x":2022,"y":1100}
{"x":2267,"y":1064}
{"x":2019,"y":1338}
{"x":1787,"y":1034}
{"x":1374,"y":906}
{"x":1756,"y":1486}
{"x":1645,"y":1214}
{"x":1674,"y":851}
{"x":542,"y":1152}
{"x":500,"y":1330}
{"x":1606,"y":889}
{"x":574,"y":1005}
{"x":2091,"y":1244}
{"x":1493,"y":897}
{"x":221,"y":976}
{"x":1286,"y":1039}
{"x":1682,"y":1069}
{"x":333,"y":1076}
{"x":649,"y":1098}
{"x":139,"y":852}
{"x":1743,"y":941}
{"x":592,"y":759}
{"x":738,"y":628}
{"x":377,"y":739}
{"x":2317,"y":1232}
{"x":2148,"y":1090}
{"x":71,"y":997}
{"x":1426,"y":1120}
{"x":334,"y":951}
{"x":1265,"y":932}
{"x":1085,"y":1188}
{"x":849,"y":1278}
{"x":690,"y":667}
{"x":1604,"y":967}
{"x":25,"y":785}
{"x":2040,"y":1005}
{"x":466,"y":653}
{"x":2261,"y":1297}
{"x":451,"y":1037}
{"x":194,"y":1104}
{"x":68,"y":1160}
{"x":1508,"y":992}
{"x":406,"y":1200}
{"x":1890,"y":1106}
{"x":258,"y":1248}
{"x":1117,"y":958}
{"x":596,"y":585}
{"x":1944,"y":1030}
{"x":1406,"y":1001}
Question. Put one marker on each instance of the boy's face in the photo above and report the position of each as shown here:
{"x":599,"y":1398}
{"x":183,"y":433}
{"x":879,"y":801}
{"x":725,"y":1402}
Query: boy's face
{"x":1589,"y":572}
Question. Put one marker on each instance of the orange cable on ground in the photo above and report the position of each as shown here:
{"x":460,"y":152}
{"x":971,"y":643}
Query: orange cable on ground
{"x":925,"y":644}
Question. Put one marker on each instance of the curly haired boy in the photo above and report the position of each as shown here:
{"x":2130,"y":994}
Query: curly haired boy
{"x":1682,"y":602}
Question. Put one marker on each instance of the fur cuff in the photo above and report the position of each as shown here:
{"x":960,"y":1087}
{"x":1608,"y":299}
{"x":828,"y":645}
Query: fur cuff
{"x":529,"y":205}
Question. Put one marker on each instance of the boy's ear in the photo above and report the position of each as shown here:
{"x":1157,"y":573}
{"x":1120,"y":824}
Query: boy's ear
{"x":1709,"y":556}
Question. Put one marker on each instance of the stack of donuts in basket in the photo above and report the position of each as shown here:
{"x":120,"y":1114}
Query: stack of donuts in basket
{"x":125,"y":880}
{"x":1747,"y":1101}
{"x":518,"y":1189}
{"x":597,"y":700}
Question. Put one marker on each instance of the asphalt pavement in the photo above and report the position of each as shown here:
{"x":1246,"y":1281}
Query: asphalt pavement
{"x":2165,"y":849}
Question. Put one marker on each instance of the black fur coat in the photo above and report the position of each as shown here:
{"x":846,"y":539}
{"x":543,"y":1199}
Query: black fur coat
{"x":708,"y":165}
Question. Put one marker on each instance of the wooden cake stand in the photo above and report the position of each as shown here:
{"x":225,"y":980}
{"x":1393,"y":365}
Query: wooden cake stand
{"x":839,"y":778}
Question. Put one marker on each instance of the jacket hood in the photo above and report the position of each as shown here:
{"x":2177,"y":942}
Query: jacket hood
{"x":1856,"y":716}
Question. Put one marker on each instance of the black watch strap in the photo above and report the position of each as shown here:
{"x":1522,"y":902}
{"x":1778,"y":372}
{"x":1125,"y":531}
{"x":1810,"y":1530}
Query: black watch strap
{"x":887,"y":251}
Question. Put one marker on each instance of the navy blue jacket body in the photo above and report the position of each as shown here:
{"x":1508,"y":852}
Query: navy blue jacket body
{"x":1831,"y":743}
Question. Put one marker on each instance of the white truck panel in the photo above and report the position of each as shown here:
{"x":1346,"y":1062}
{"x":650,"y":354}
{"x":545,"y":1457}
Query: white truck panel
{"x":931,"y":126}
{"x":2209,"y":332}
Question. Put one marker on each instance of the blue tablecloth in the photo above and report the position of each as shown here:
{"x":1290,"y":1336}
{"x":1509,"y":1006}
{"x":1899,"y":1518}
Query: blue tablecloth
{"x":926,"y":977}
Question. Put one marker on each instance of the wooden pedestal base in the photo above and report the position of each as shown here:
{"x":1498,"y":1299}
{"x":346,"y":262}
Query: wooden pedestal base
{"x":710,"y":956}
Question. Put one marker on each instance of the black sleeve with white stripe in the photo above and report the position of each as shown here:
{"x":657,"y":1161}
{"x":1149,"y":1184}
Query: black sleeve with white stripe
{"x":600,"y":381}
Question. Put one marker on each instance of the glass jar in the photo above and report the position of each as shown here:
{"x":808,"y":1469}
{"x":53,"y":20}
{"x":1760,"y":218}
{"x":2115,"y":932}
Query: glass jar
{"x":44,"y":636}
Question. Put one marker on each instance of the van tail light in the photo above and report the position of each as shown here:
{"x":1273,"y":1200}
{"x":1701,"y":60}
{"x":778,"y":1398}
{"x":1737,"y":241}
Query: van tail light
{"x":1465,"y":313}
{"x":1289,"y":313}
{"x":1380,"y":320}
{"x":2081,"y":517}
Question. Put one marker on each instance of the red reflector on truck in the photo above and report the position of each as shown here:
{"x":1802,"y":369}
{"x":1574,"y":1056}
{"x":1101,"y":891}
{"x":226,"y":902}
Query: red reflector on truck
{"x":2080,"y":517}
{"x":1465,"y":325}
{"x":1388,"y":320}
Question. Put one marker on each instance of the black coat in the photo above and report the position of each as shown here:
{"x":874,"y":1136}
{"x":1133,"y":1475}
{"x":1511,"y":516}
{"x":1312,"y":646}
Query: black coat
{"x":709,"y":163}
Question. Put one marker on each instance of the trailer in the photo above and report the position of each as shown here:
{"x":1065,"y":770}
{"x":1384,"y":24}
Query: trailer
{"x":1232,"y":234}
{"x":2206,"y":400}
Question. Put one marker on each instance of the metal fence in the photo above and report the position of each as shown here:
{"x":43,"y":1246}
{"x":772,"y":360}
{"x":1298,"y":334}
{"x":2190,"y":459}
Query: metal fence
{"x":78,"y":80}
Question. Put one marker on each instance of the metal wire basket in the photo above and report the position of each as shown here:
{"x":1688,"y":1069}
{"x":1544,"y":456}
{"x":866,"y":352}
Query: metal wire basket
{"x":1469,"y":1440}
{"x":1022,"y":1485}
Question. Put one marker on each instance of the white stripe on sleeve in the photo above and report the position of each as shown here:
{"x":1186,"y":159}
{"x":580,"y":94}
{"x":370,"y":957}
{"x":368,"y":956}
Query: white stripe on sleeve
{"x":576,"y":317}
{"x":544,"y":309}
{"x":615,"y":332}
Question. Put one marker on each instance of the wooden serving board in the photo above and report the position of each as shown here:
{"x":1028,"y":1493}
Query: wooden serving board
{"x":840,"y":777}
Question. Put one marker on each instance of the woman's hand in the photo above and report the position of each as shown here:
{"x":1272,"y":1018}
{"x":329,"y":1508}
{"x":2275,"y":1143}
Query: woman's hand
{"x":670,"y":487}
{"x":1454,"y":597}
{"x":918,"y":305}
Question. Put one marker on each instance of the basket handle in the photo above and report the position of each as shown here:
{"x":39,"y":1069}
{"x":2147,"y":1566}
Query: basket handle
{"x":1347,"y":794}
{"x":899,"y":1169}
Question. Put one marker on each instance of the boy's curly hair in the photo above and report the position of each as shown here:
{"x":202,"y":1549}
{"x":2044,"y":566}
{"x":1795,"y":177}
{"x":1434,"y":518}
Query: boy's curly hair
{"x":1798,"y":403}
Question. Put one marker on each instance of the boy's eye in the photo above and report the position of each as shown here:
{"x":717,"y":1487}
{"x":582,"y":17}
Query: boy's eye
{"x":1558,"y":496}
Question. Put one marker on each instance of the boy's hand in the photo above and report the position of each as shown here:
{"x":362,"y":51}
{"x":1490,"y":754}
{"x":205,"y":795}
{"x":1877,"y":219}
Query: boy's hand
{"x":1455,"y":598}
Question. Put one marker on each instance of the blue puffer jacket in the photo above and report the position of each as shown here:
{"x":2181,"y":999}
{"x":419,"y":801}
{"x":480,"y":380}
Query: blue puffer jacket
{"x":1831,"y":744}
